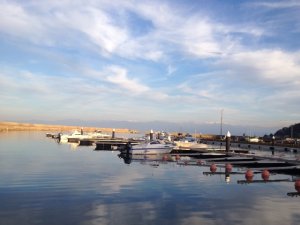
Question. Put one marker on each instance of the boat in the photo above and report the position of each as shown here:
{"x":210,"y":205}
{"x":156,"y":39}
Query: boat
{"x":153,"y":160}
{"x":99,"y":135}
{"x":76,"y":135}
{"x":189,"y":143}
{"x":152,"y":147}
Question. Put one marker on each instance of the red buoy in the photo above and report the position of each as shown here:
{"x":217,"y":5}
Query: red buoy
{"x":265,"y":175}
{"x":297,"y":185}
{"x":213,"y":168}
{"x":177,"y":157}
{"x":228,"y":168}
{"x":249,"y":175}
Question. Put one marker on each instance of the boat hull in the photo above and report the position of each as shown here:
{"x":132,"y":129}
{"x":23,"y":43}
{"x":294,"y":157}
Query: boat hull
{"x":150,"y":151}
{"x":151,"y":148}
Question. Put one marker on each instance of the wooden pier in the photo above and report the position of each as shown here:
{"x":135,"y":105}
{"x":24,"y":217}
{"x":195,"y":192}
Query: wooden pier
{"x":114,"y":144}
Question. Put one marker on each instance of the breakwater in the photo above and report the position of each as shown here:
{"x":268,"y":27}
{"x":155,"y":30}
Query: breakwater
{"x":14,"y":126}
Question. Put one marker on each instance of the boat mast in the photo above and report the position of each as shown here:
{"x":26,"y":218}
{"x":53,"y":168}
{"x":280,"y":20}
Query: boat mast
{"x":221,"y":124}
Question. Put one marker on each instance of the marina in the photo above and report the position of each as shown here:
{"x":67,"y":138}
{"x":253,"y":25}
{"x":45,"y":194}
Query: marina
{"x":150,"y":112}
{"x":224,"y":155}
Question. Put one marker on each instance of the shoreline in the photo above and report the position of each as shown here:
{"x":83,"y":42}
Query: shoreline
{"x":15,"y":126}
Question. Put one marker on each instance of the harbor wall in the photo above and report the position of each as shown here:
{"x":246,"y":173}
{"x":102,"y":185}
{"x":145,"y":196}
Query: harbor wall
{"x":14,"y":126}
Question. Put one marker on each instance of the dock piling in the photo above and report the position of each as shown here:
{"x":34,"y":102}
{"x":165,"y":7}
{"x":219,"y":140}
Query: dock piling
{"x":151,"y":135}
{"x":273,"y":143}
{"x":113,"y":134}
{"x":228,"y":137}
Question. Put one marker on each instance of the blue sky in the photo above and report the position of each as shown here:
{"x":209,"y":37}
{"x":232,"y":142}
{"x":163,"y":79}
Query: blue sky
{"x":174,"y":61}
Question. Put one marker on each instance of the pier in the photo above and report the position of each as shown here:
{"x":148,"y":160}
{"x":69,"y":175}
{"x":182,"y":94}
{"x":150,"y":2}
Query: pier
{"x":218,"y":153}
{"x":256,"y":146}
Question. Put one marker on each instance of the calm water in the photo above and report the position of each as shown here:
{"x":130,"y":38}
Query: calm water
{"x":43,"y":182}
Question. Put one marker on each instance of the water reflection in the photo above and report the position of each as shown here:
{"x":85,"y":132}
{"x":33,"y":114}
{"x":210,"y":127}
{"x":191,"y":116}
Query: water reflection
{"x":127,"y":157}
{"x":42,"y":182}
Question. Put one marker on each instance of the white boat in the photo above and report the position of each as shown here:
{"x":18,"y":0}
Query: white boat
{"x":190,"y":143}
{"x":99,"y":134}
{"x":152,"y":147}
{"x":63,"y":138}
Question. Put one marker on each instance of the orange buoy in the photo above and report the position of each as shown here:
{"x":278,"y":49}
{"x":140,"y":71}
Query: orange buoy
{"x":228,"y":168}
{"x":177,"y":157}
{"x":249,"y":175}
{"x":297,"y":185}
{"x":265,"y":175}
{"x":213,"y":168}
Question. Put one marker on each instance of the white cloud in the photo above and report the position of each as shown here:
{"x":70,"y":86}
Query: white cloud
{"x":97,"y":25}
{"x":118,"y":76}
{"x":278,"y":4}
{"x":78,"y":23}
{"x":17,"y":22}
{"x":268,"y":66}
{"x":170,"y":70}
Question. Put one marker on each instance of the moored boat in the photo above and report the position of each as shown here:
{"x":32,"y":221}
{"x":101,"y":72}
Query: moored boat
{"x":152,"y":147}
{"x":190,"y":143}
{"x":75,"y":135}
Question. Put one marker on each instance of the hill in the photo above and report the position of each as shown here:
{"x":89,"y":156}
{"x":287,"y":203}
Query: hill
{"x":291,"y":131}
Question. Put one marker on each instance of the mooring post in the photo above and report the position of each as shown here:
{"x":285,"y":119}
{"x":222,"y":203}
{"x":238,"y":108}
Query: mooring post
{"x":228,"y":136}
{"x":151,"y":135}
{"x":273,"y":143}
{"x":81,"y":131}
{"x":113,"y":133}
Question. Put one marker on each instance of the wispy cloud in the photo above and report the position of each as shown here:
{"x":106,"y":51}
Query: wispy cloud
{"x":118,"y":76}
{"x":196,"y":35}
{"x":277,"y":4}
{"x":167,"y":56}
{"x":271,"y":67}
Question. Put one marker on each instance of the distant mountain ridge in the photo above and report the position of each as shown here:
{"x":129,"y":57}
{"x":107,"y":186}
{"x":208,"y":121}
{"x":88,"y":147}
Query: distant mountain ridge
{"x":292,"y":131}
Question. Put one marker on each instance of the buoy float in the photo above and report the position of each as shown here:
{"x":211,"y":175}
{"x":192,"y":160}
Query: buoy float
{"x":177,"y":157}
{"x":249,"y":175}
{"x":297,"y":185}
{"x":265,"y":175}
{"x":228,"y":168}
{"x":213,"y":168}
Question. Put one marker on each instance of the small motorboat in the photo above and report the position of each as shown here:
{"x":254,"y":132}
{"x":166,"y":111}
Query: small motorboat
{"x":63,"y":138}
{"x":189,"y":143}
{"x":152,"y":147}
{"x":99,"y":134}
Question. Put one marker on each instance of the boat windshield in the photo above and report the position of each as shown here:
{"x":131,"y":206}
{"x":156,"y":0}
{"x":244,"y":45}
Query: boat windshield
{"x":154,"y":142}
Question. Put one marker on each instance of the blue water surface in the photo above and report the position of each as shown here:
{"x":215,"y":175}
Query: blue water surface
{"x":44,"y":182}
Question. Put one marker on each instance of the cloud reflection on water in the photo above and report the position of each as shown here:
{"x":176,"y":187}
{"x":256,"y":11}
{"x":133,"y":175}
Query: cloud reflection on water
{"x":60,"y":186}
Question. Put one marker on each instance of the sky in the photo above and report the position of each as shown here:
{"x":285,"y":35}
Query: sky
{"x":175,"y":61}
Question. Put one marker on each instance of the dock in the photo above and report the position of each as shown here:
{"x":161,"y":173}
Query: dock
{"x":256,"y":146}
{"x":114,"y":144}
{"x":238,"y":158}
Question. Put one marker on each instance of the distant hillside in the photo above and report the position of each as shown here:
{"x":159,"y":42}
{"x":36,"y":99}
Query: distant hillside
{"x":291,"y":131}
{"x":13,"y":126}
